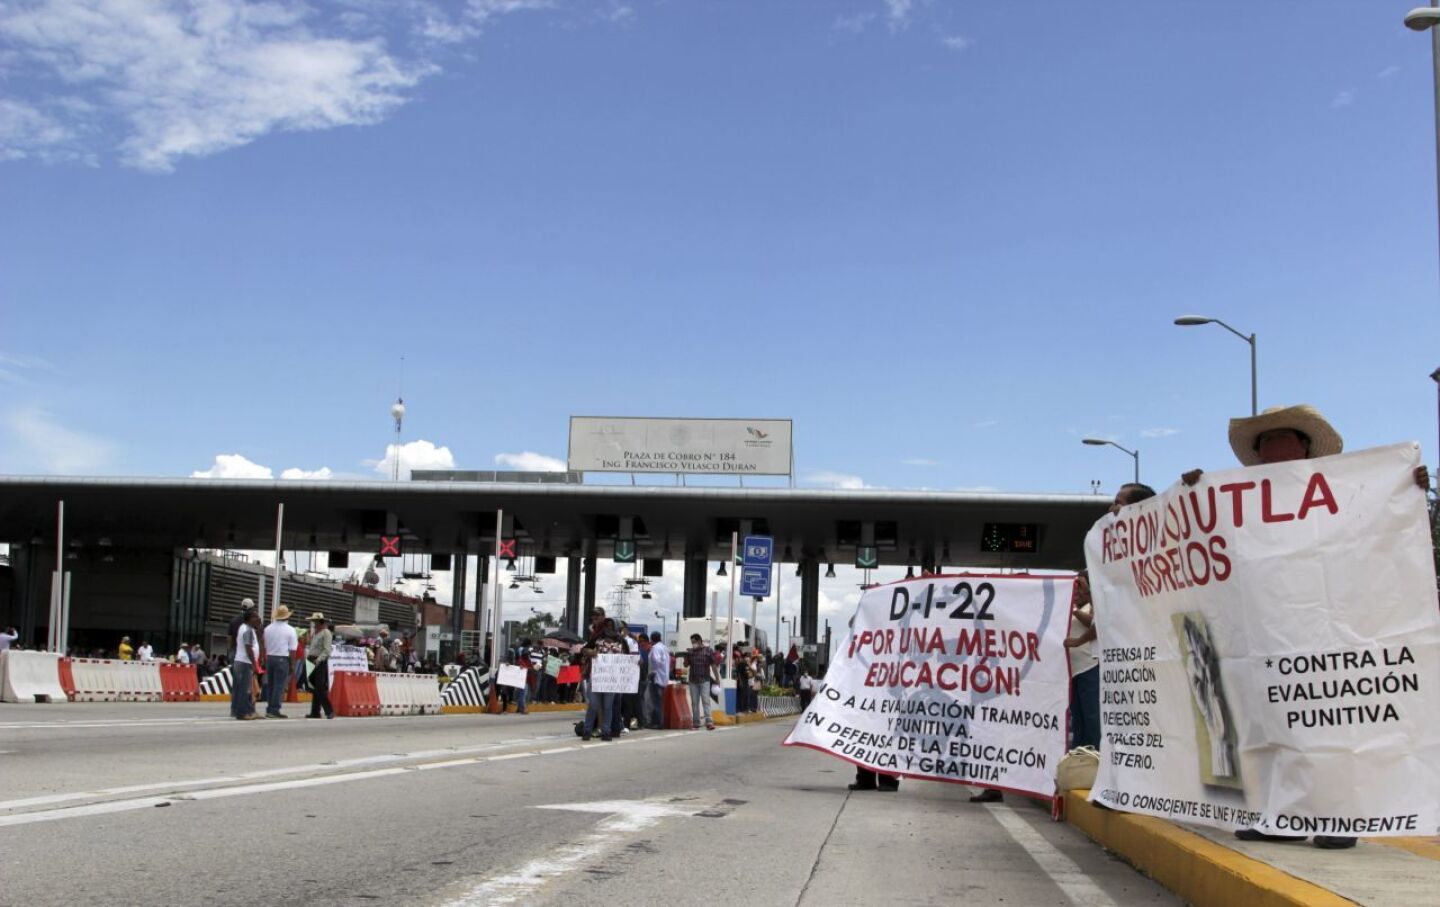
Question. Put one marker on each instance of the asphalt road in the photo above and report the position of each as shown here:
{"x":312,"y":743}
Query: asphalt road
{"x":170,"y":804}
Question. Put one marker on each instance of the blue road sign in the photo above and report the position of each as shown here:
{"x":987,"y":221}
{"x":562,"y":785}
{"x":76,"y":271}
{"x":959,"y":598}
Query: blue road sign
{"x":755,"y":581}
{"x":758,"y":551}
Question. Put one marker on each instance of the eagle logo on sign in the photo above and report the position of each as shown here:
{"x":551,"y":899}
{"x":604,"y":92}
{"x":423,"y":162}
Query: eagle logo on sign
{"x":757,"y":433}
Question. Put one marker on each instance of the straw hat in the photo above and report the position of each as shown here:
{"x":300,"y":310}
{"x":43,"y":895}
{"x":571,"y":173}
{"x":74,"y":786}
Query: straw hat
{"x":1325,"y":441}
{"x":282,"y":613}
{"x":318,"y":615}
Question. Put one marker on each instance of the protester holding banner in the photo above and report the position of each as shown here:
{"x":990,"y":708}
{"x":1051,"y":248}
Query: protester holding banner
{"x":1291,"y":606}
{"x":950,"y":678}
{"x":602,"y":707}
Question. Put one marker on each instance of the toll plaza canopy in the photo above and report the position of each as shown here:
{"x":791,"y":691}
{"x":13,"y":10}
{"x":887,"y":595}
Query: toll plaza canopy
{"x":919,"y":528}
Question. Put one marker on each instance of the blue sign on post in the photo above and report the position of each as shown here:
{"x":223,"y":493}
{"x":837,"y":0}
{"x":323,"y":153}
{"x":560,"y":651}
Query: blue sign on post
{"x":755,"y":581}
{"x":758,"y":551}
{"x":755,"y":557}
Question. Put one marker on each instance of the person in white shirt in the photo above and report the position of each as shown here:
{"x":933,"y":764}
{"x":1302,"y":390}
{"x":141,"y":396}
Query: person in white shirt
{"x":242,"y":666}
{"x":146,"y":651}
{"x":281,"y":641}
{"x":182,"y":655}
{"x":660,"y":663}
{"x":7,"y":638}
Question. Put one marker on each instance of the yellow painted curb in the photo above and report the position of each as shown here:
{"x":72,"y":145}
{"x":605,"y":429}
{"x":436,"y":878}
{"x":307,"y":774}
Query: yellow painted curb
{"x":1429,"y":848}
{"x":462,"y":710}
{"x":1195,"y":868}
{"x":225,"y":697}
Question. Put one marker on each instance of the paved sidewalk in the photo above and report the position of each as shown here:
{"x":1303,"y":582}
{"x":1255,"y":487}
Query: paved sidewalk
{"x":1208,"y":866}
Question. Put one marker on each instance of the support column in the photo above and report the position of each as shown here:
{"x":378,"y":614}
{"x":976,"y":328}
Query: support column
{"x":810,"y":599}
{"x":458,"y":568}
{"x":573,"y":620}
{"x":695,"y":579}
{"x":589,"y":608}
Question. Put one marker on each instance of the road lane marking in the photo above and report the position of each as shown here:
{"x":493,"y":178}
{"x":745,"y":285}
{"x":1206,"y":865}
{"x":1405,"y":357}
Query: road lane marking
{"x":335,"y":774}
{"x":340,"y":765}
{"x":623,"y":818}
{"x":1073,"y":881}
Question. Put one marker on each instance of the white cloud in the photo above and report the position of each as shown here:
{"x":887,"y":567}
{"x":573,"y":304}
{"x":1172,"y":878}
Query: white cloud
{"x":233,"y":466}
{"x":322,"y":473}
{"x":48,"y":446}
{"x":529,"y":461}
{"x":160,"y":82}
{"x":26,"y":132}
{"x":920,"y":461}
{"x":955,"y":42}
{"x":415,"y":455}
{"x":1387,"y":72}
{"x":835,"y":479}
{"x":897,"y":13}
{"x":1343,"y":99}
{"x":853,"y":24}
{"x":1159,"y":432}
{"x":987,"y":423}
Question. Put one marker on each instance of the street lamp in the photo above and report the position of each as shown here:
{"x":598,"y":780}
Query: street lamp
{"x":1422,"y":19}
{"x":1102,"y":442}
{"x":1192,"y":320}
{"x":1435,"y":376}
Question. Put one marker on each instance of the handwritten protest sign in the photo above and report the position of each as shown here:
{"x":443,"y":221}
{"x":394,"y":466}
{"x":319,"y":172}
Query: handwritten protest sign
{"x":1270,"y":650}
{"x":512,"y":676}
{"x":553,"y":664}
{"x":347,"y":658}
{"x":615,"y":674}
{"x":951,"y":678}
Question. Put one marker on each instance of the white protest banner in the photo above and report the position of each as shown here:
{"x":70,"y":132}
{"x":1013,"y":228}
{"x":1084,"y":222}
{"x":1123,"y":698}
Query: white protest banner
{"x":951,"y":678}
{"x":512,"y":676}
{"x":615,"y":674}
{"x":1270,"y":650}
{"x":347,"y":658}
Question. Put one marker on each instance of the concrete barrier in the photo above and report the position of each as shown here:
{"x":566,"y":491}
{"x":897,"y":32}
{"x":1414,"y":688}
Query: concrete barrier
{"x":30,"y":677}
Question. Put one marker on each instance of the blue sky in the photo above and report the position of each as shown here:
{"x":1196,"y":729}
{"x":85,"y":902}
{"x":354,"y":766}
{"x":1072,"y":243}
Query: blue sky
{"x":947,"y":239}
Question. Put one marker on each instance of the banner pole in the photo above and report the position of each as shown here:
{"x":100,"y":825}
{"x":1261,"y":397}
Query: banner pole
{"x":730,"y":622}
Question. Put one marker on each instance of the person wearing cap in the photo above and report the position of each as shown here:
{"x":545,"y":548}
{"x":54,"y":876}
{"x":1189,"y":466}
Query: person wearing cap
{"x":280,"y":642}
{"x":1282,"y":434}
{"x":182,"y":654}
{"x":126,"y":651}
{"x":242,"y":668}
{"x":317,"y":649}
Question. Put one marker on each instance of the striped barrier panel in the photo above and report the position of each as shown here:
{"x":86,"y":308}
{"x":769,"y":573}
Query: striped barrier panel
{"x":471,"y":688}
{"x":179,"y":683}
{"x":30,"y":677}
{"x":778,"y":706}
{"x":217,"y":684}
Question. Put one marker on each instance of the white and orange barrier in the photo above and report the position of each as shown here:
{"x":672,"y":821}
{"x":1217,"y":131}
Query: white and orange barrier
{"x":109,"y":680}
{"x":30,"y":677}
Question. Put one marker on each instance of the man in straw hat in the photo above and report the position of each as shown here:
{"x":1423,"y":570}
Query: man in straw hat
{"x":317,"y":649}
{"x":1278,"y":435}
{"x":280,"y":645}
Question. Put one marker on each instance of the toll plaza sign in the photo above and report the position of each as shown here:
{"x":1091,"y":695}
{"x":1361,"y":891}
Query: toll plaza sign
{"x":757,"y":447}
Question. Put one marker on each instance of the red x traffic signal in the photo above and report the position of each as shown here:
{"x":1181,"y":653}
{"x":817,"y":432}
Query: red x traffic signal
{"x":389,"y":546}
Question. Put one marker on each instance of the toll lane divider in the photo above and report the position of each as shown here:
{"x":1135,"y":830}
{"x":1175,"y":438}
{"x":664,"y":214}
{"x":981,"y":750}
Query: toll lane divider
{"x":30,"y":677}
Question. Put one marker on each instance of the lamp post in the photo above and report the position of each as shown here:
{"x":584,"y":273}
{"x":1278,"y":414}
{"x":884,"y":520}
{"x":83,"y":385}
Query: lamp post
{"x":1425,"y":18}
{"x":1102,"y":442}
{"x":1435,"y":376}
{"x":1191,"y":320}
